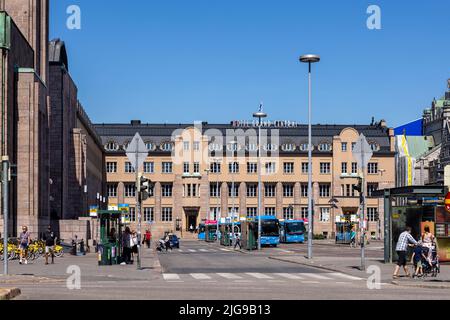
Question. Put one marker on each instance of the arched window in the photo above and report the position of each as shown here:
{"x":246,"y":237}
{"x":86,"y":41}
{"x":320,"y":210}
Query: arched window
{"x":167,"y":146}
{"x":271,"y":147}
{"x":112,"y":146}
{"x":150,"y":146}
{"x":324,"y":147}
{"x":125,"y":145}
{"x":289,"y":147}
{"x":304,"y":147}
{"x":251,"y":147}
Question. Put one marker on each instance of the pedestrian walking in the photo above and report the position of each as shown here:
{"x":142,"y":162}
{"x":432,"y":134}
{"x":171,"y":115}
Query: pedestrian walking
{"x":126,"y":245}
{"x":167,"y":243}
{"x":50,"y":239}
{"x":237,"y":242}
{"x":416,"y":260}
{"x":353,"y":238}
{"x":24,"y":242}
{"x":134,"y":244}
{"x":428,"y":241}
{"x":404,"y":240}
{"x":148,"y":238}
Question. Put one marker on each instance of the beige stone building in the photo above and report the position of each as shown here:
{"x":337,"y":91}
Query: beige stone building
{"x":193,"y":169}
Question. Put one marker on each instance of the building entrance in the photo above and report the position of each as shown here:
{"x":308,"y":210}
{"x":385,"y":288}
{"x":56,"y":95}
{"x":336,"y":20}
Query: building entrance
{"x":191,"y":219}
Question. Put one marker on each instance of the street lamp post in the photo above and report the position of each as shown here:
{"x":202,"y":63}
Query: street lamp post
{"x":233,"y":212}
{"x":259,"y":115}
{"x":309,"y":59}
{"x":216,"y":160}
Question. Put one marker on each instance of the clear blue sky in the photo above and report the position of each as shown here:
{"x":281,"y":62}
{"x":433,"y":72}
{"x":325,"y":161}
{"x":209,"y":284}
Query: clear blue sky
{"x":215,"y":60}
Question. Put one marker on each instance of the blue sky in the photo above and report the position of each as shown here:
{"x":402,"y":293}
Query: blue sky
{"x":181,"y":61}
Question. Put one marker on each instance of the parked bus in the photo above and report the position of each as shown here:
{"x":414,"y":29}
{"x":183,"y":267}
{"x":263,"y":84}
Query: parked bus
{"x":292,"y":231}
{"x":270,"y":230}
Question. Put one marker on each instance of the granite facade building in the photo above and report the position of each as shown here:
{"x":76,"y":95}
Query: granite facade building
{"x":193,"y":169}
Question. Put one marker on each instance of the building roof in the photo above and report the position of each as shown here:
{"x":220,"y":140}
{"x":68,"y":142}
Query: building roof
{"x":419,"y":145}
{"x":295,"y":134}
{"x":57,"y":53}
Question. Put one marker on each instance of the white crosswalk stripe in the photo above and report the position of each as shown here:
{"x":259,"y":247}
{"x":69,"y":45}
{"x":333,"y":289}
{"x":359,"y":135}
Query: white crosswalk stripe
{"x":344,"y":276}
{"x":171,"y":276}
{"x":180,"y":250}
{"x":192,"y":250}
{"x":314,"y":276}
{"x":259,"y":275}
{"x":289,"y":276}
{"x":231,"y":276}
{"x":200,"y":276}
{"x":203,"y":250}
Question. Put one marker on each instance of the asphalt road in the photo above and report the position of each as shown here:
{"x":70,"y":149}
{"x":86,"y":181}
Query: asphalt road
{"x":201,"y":271}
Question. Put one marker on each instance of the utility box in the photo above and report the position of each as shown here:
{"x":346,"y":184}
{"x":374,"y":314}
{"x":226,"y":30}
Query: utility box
{"x":249,"y":234}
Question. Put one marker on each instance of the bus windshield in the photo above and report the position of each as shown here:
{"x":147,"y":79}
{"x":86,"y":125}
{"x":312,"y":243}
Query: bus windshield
{"x":269,"y":228}
{"x":295,"y":228}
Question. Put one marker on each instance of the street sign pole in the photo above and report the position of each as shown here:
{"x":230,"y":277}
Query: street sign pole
{"x":136,"y":153}
{"x":5,"y":171}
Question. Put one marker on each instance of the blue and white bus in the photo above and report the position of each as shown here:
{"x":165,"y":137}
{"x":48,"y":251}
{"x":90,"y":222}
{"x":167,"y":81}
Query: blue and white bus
{"x":292,"y":231}
{"x":270,"y":230}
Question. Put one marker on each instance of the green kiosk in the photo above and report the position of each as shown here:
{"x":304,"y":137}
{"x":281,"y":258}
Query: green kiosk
{"x":225,"y":231}
{"x":249,"y":231}
{"x":110,"y":245}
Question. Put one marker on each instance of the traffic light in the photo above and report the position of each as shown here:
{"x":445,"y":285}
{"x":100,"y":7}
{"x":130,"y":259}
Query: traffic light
{"x":358,"y":188}
{"x":143,"y":187}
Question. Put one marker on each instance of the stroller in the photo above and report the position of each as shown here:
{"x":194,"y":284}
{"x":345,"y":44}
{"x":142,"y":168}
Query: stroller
{"x":433,"y":269}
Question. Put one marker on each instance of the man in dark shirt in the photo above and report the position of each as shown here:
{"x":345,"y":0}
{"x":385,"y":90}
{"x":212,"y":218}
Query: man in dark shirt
{"x":49,"y":238}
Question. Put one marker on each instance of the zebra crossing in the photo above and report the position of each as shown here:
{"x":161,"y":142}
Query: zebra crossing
{"x":257,"y":276}
{"x":209,"y":250}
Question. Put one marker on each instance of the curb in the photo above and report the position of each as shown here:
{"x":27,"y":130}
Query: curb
{"x":420,"y":285}
{"x":308,"y":265}
{"x":9,"y":294}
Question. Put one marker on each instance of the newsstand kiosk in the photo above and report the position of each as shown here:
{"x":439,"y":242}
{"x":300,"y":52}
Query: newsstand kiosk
{"x":110,"y":246}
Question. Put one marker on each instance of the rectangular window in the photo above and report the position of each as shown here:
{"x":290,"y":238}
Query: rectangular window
{"x":288,"y":167}
{"x":269,"y":190}
{"x":149,"y":167}
{"x":196,"y":167}
{"x":111,"y":167}
{"x":196,"y":146}
{"x":270,"y":167}
{"x":324,"y":190}
{"x":130,"y":190}
{"x":149,"y":214}
{"x":186,"y":146}
{"x":372,"y":168}
{"x":214,"y":213}
{"x":186,"y":168}
{"x":233,"y":212}
{"x":325,"y":167}
{"x":354,"y":167}
{"x":167,"y":167}
{"x":344,"y":167}
{"x":270,"y":211}
{"x":129,"y":168}
{"x":324,"y":215}
{"x":215,"y":167}
{"x":371,"y":187}
{"x":252,"y":212}
{"x":214,"y":190}
{"x":304,"y":212}
{"x":288,"y":213}
{"x":305,"y":167}
{"x":353,"y":145}
{"x":252,"y":167}
{"x":166,"y":190}
{"x":252,"y":190}
{"x":234,"y":193}
{"x":166,"y":214}
{"x":288,"y":190}
{"x":344,"y":146}
{"x":304,"y":190}
{"x":372,"y":214}
{"x":233,"y":167}
{"x":132,"y":214}
{"x":112,"y":190}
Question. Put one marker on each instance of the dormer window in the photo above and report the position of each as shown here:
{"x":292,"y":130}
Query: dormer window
{"x":111,"y":146}
{"x":215,"y":147}
{"x":167,"y":146}
{"x":374,"y":146}
{"x":304,"y":147}
{"x":125,"y":145}
{"x":233,"y":147}
{"x":270,"y":147}
{"x":289,"y":147}
{"x":324,"y":147}
{"x":150,"y":146}
{"x":251,"y":147}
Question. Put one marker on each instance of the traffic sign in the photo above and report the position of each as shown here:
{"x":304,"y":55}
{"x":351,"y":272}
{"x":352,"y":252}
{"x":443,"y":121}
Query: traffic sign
{"x":93,"y":211}
{"x":362,"y":152}
{"x":137,"y":152}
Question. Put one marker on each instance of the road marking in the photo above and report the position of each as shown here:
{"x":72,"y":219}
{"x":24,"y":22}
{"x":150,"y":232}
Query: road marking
{"x":192,"y":250}
{"x":310,"y":282}
{"x":225,"y":250}
{"x":345,"y":276}
{"x":180,"y":250}
{"x":230,"y":276}
{"x":289,"y":276}
{"x":287,"y":251}
{"x":313,"y":275}
{"x":200,"y":276}
{"x":259,"y":275}
{"x":203,"y":250}
{"x":171,"y":276}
